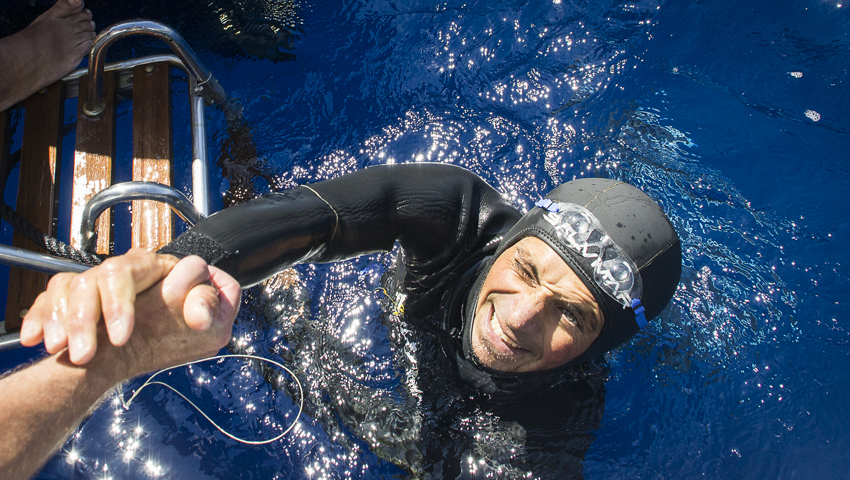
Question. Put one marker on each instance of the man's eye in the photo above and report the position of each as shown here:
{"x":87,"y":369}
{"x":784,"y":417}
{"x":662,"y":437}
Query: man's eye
{"x":569,"y":317}
{"x":523,"y":270}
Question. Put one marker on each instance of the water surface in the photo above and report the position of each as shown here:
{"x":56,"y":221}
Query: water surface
{"x":731,"y":115}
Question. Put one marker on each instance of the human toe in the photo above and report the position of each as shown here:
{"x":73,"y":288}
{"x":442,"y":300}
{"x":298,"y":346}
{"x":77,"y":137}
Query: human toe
{"x":66,"y":8}
{"x":84,"y":38}
{"x":82,"y":21}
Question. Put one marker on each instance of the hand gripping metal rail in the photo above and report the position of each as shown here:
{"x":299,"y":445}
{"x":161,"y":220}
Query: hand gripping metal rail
{"x":203,"y":88}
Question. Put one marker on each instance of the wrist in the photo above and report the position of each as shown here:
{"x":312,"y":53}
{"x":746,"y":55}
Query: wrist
{"x":109,"y":366}
{"x":84,"y":383}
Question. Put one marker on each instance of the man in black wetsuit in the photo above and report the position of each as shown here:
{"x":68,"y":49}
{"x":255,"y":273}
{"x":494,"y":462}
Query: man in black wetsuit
{"x":517,"y":301}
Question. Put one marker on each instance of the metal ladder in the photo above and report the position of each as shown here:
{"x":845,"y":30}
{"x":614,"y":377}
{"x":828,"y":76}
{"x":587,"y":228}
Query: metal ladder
{"x":97,"y":89}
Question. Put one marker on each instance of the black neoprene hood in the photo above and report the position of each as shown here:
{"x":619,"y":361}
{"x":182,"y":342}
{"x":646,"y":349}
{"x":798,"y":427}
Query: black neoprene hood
{"x":636,"y":223}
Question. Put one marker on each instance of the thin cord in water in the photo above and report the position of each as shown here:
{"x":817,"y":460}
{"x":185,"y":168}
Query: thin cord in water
{"x":150,"y":381}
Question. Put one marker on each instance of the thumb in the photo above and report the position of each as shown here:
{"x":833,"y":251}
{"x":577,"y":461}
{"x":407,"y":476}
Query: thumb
{"x":214,"y":304}
{"x":186,"y":275}
{"x":229,"y":294}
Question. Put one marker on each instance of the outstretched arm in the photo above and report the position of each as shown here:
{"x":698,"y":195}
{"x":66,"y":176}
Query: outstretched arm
{"x":42,"y":404}
{"x":435,"y":211}
{"x":438,"y":213}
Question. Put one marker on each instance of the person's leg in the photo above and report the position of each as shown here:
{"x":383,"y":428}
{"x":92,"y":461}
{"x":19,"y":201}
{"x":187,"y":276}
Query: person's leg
{"x":50,"y":47}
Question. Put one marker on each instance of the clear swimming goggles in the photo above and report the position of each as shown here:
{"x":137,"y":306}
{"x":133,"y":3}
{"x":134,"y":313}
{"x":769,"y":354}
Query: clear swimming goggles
{"x":613,"y":270}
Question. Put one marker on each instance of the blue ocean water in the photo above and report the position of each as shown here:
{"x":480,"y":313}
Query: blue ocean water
{"x":728,"y":113}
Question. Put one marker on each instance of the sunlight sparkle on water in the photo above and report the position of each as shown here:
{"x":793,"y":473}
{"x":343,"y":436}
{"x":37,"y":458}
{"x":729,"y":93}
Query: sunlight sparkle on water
{"x":153,"y":468}
{"x":72,"y":457}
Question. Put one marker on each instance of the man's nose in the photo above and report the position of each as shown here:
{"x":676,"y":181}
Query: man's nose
{"x":528,"y":313}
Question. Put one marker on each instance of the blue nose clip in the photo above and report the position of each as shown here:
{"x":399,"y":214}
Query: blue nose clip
{"x":640,"y":317}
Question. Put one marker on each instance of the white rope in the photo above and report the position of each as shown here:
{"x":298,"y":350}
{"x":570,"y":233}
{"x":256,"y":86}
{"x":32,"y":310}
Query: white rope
{"x":150,"y":381}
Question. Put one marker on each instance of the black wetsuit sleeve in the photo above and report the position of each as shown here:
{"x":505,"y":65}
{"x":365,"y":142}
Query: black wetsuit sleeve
{"x":438,"y":213}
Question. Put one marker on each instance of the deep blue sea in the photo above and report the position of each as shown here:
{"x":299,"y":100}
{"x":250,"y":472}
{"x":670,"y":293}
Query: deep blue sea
{"x":731,"y":114}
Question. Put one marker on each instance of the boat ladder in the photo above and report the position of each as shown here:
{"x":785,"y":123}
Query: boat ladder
{"x":98,"y":89}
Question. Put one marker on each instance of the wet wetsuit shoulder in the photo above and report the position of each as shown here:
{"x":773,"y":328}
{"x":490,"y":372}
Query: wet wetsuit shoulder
{"x":438,"y":214}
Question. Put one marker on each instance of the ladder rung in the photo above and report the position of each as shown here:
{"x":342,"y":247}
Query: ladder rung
{"x":37,"y":191}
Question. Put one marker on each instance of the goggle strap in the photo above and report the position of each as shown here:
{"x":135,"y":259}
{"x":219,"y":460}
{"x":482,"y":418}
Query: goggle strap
{"x":547,"y":204}
{"x":640,"y":317}
{"x":555,"y":207}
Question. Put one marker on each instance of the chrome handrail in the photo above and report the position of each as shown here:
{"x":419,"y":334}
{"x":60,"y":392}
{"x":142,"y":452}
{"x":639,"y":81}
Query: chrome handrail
{"x":10,"y":341}
{"x":128,"y":191}
{"x":206,"y":85}
{"x":202,"y":86}
{"x":18,"y":257}
{"x":200,"y":170}
{"x":173,"y":60}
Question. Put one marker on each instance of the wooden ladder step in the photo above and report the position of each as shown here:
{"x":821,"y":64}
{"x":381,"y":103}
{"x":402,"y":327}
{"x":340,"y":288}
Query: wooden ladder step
{"x":94,"y":160}
{"x":37,"y":192}
{"x":94,"y":165}
{"x":152,"y":151}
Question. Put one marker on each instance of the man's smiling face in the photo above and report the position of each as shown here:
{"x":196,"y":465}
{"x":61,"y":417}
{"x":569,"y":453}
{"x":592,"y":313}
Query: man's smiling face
{"x":533,"y":312}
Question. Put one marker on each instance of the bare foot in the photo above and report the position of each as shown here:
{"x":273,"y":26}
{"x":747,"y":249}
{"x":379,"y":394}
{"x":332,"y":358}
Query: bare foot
{"x":50,"y":47}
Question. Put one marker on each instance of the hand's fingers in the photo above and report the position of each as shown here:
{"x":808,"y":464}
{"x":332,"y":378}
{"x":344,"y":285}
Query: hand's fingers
{"x":39,"y":322}
{"x":56,"y":308}
{"x":119,"y":279}
{"x":192,"y":297}
{"x":218,"y":302}
{"x":186,"y":275}
{"x":229,"y":295}
{"x":83,"y":314}
{"x":32,"y":326}
{"x":213,"y":306}
{"x":111,"y":288}
{"x":55,"y":336}
{"x":200,"y":306}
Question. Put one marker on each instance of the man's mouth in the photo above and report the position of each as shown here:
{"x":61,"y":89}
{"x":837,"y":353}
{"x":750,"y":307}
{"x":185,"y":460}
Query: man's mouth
{"x":497,"y":329}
